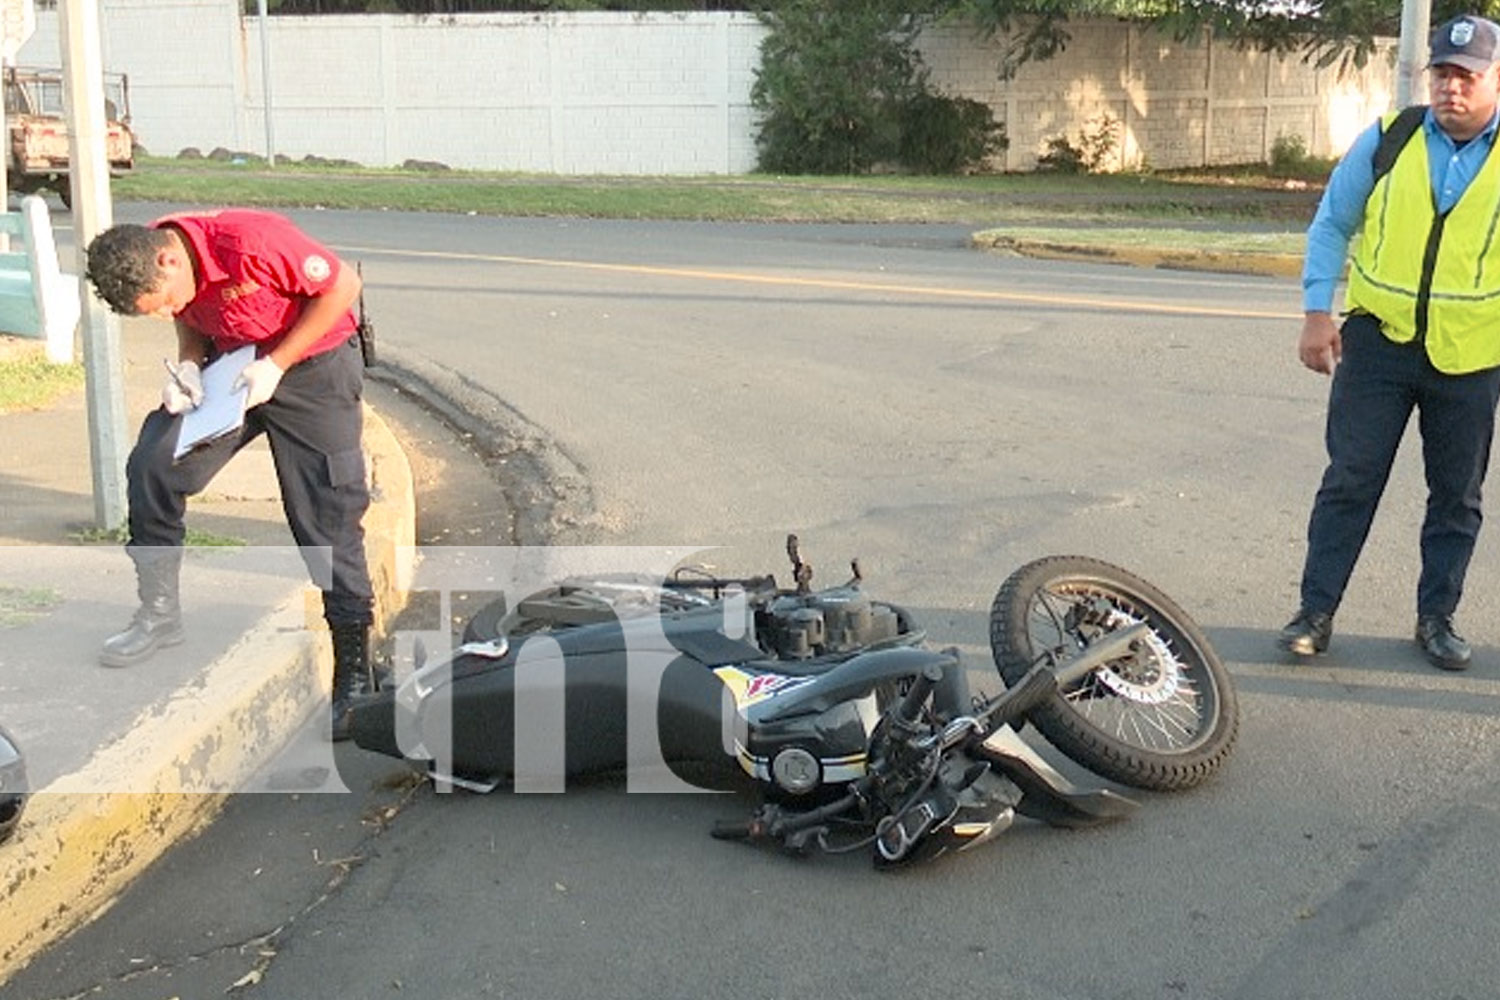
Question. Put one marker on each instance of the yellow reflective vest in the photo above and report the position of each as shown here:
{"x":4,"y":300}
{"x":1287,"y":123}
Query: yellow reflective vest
{"x":1430,"y":276}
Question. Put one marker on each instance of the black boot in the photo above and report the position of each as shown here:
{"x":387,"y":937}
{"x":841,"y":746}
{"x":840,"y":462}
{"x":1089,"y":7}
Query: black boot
{"x":351,"y":674}
{"x":158,"y":621}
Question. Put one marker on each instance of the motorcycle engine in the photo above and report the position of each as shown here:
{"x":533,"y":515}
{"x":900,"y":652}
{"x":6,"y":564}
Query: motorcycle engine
{"x":838,"y":620}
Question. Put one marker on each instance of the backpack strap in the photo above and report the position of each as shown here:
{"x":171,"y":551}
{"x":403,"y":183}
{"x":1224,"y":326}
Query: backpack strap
{"x":1394,"y":137}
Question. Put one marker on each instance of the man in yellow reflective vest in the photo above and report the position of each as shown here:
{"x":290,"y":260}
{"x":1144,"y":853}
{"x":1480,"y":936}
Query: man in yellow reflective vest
{"x":1422,"y":333}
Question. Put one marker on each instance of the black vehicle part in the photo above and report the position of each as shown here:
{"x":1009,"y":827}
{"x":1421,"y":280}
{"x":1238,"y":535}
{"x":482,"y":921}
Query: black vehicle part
{"x":12,"y":786}
{"x":468,"y":724}
{"x":1163,"y":717}
{"x":910,"y":709}
{"x":364,"y":327}
{"x":605,"y":598}
{"x":466,"y":719}
{"x":484,"y":624}
{"x":1045,"y":794}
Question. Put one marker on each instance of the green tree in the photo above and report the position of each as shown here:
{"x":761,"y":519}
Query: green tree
{"x":841,"y":88}
{"x":831,"y":79}
{"x":481,"y":6}
{"x":1324,"y":32}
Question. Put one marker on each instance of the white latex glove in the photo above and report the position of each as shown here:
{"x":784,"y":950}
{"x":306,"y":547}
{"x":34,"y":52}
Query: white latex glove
{"x":261,"y":377}
{"x":183,"y":390}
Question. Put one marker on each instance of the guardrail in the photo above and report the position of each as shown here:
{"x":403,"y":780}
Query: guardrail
{"x":36,"y":298}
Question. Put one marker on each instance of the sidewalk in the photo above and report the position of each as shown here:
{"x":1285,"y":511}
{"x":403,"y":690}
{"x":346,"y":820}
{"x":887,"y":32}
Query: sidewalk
{"x":121,"y":763}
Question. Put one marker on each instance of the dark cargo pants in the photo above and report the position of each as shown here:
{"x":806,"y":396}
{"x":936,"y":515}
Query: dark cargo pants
{"x":1375,"y":388}
{"x":314,"y":424}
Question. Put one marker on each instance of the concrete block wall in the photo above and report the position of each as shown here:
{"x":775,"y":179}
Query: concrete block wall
{"x":1178,"y":103}
{"x":566,"y":93}
{"x":618,"y":93}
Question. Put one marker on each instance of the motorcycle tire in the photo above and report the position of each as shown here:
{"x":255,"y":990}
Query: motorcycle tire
{"x":1163,"y":718}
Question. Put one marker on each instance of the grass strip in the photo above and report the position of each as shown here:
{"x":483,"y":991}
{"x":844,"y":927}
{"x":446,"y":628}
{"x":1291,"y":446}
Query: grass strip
{"x":28,"y":381}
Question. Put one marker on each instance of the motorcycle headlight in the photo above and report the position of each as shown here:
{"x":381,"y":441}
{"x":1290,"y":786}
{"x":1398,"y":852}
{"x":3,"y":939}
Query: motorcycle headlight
{"x":796,"y":771}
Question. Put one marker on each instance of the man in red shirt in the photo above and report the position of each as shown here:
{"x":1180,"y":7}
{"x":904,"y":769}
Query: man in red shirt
{"x":227,"y":279}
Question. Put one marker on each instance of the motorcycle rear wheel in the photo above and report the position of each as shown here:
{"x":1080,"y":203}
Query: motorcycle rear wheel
{"x":1163,"y":718}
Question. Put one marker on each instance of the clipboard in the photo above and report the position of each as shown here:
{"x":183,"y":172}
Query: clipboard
{"x":222,"y":411}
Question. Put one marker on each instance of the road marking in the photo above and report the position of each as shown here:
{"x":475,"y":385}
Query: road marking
{"x":1118,"y":305}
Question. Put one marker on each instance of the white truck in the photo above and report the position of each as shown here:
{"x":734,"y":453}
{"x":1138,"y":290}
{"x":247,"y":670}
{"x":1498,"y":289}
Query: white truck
{"x":38,"y":153}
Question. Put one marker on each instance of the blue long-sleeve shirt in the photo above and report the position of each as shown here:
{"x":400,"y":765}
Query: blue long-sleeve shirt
{"x":1342,"y":210}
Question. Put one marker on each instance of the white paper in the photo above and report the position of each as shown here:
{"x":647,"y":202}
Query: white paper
{"x":222,"y":411}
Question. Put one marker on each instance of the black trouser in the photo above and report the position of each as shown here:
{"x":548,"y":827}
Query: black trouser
{"x":1375,"y":387}
{"x":314,"y":423}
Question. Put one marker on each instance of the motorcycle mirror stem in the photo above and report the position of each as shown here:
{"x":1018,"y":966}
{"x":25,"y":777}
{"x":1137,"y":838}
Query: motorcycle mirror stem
{"x":801,"y":571}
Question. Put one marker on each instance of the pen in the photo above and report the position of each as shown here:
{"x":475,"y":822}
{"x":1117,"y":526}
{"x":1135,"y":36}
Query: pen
{"x":176,"y":372}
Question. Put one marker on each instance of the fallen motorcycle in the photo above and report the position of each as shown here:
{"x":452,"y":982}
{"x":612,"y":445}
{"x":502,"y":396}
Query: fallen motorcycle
{"x":828,"y":701}
{"x":13,"y":789}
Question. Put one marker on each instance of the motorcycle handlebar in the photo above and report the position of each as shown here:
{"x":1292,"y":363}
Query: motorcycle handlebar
{"x":910,"y":709}
{"x":750,"y":584}
{"x":732,"y":830}
{"x":774,"y":823}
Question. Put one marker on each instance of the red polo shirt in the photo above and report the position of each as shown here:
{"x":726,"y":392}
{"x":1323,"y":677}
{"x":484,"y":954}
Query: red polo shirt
{"x":256,"y":273}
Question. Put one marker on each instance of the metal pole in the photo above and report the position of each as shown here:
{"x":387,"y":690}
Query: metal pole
{"x":103,"y":360}
{"x":1411,"y":57}
{"x":265,"y":79}
{"x":4,"y":160}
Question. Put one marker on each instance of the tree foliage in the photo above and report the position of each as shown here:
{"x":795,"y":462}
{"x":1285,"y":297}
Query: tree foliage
{"x":1326,"y":33}
{"x":830,"y":82}
{"x":841,"y":88}
{"x":293,"y":7}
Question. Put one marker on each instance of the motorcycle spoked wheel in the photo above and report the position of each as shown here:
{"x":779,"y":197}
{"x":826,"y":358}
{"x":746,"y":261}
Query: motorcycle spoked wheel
{"x":1163,"y":718}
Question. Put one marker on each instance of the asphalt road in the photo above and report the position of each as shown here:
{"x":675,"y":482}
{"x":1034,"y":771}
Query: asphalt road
{"x":946,"y":416}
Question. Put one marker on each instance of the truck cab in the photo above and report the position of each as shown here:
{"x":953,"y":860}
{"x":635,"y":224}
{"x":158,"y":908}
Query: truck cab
{"x":34,"y":114}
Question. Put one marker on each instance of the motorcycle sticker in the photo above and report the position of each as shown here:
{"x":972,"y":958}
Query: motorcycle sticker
{"x":749,"y":689}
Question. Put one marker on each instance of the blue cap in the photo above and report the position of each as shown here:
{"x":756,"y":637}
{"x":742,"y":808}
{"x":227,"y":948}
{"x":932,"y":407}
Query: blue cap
{"x":1467,"y":41}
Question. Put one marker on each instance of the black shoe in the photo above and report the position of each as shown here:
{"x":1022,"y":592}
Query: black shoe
{"x":1443,"y":647}
{"x":158,"y":621}
{"x":146,"y":634}
{"x":1307,"y":634}
{"x":351,"y":677}
{"x":342,"y":726}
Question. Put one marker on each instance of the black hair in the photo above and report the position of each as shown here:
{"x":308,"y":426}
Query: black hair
{"x":122,"y":265}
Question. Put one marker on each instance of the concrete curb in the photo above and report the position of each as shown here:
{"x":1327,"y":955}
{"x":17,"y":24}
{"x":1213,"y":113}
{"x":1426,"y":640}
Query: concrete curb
{"x":1276,"y":265}
{"x":77,"y":847}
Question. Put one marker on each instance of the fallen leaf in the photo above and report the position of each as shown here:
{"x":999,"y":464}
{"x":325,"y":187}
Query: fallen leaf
{"x":248,"y":979}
